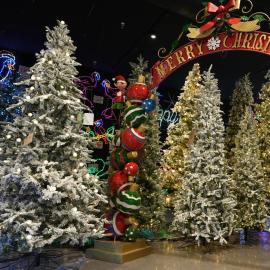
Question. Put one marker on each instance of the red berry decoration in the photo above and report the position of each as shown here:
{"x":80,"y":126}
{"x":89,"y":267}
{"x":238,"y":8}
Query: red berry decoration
{"x":118,"y":225}
{"x":117,"y":179}
{"x":132,"y":139}
{"x":131,"y":169}
{"x":138,"y":91}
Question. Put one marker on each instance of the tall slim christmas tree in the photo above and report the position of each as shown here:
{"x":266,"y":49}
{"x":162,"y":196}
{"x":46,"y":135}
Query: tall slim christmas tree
{"x":247,"y":175}
{"x":204,"y":207}
{"x":242,"y":97}
{"x":263,"y":116}
{"x":180,"y":134}
{"x":152,"y":211}
{"x":47,"y":194}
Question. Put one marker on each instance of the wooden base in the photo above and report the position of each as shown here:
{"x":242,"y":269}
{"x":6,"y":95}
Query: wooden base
{"x":118,"y":252}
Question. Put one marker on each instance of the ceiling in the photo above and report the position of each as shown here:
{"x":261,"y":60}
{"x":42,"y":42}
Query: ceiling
{"x":109,"y":34}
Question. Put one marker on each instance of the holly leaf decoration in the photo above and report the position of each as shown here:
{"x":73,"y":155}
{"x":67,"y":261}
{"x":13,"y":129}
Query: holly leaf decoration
{"x":185,"y":27}
{"x":175,"y":44}
{"x":221,"y":1}
{"x":244,"y":18}
{"x":259,"y":17}
{"x":204,"y":3}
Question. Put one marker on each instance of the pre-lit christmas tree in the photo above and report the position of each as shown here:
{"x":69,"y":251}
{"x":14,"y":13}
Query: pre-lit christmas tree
{"x":204,"y":207}
{"x":247,"y":175}
{"x":263,"y":116}
{"x":47,"y":194}
{"x":180,"y":134}
{"x":152,"y":211}
{"x":242,"y":97}
{"x":9,"y":93}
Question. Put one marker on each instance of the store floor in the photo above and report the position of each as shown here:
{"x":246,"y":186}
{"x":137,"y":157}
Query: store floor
{"x":176,"y":256}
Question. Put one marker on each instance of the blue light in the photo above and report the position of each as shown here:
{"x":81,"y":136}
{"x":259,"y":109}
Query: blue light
{"x":7,"y":63}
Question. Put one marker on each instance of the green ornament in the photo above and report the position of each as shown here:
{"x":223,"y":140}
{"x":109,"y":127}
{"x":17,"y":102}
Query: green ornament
{"x":134,"y":116}
{"x":131,"y":233}
{"x":128,"y":202}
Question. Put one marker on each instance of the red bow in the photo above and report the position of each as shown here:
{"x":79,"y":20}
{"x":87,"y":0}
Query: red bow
{"x":221,"y":11}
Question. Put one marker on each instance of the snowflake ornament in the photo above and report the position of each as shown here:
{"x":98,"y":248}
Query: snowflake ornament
{"x":213,"y":43}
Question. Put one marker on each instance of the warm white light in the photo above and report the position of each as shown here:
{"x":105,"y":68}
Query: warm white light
{"x":153,"y":36}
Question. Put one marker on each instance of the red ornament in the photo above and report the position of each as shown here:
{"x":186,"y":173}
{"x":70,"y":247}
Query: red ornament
{"x":138,"y":91}
{"x":117,"y":224}
{"x":131,"y":169}
{"x":132,"y":139}
{"x":118,"y":179}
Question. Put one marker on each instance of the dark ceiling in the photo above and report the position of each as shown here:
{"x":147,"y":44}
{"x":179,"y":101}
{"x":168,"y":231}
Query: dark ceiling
{"x":109,"y":34}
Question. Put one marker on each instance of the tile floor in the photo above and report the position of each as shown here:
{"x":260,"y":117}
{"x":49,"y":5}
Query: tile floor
{"x":168,"y":255}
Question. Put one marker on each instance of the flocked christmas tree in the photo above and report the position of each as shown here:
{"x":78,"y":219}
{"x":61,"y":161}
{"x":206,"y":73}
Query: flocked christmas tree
{"x":9,"y":92}
{"x":204,"y":207}
{"x":263,"y":116}
{"x":242,"y":97}
{"x":247,"y":175}
{"x":152,"y":211}
{"x":47,"y":194}
{"x":180,"y":134}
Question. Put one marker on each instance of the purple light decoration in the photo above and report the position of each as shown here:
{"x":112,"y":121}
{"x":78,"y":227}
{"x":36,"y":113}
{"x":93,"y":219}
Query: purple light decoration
{"x":88,"y":82}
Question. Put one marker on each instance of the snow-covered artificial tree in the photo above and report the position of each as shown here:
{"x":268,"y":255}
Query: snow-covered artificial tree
{"x":204,"y":206}
{"x":263,"y":117}
{"x":180,"y":134}
{"x":47,"y":194}
{"x":242,"y":97}
{"x":247,"y":176}
{"x":152,"y":211}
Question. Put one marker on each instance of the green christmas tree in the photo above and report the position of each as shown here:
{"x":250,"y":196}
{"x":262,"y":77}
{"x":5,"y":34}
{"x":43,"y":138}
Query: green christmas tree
{"x":180,"y":134}
{"x":47,"y":194}
{"x":247,"y":175}
{"x":263,"y":117}
{"x":152,"y":211}
{"x":204,"y":206}
{"x":242,"y":97}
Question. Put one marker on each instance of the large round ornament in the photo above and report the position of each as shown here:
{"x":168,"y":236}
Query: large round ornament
{"x":116,"y":180}
{"x":131,"y":169}
{"x":117,"y":224}
{"x":128,"y":202}
{"x":134,"y":116}
{"x":149,"y":105}
{"x":132,"y":139}
{"x":119,"y":158}
{"x":138,"y":91}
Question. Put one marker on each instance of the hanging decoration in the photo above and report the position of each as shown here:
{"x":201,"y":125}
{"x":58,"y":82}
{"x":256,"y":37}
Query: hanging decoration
{"x":228,"y":17}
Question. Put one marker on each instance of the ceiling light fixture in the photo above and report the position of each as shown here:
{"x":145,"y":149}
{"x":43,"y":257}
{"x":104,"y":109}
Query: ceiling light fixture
{"x":153,"y":36}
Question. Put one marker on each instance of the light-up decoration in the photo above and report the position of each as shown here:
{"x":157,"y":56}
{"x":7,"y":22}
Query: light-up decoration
{"x":7,"y":63}
{"x":88,"y":82}
{"x":100,"y":170}
{"x":168,"y":117}
{"x":107,"y":136}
